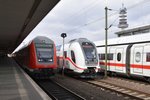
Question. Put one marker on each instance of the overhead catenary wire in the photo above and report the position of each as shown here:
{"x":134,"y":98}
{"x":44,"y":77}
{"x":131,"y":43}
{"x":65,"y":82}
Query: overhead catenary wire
{"x":110,"y":15}
{"x":82,"y":10}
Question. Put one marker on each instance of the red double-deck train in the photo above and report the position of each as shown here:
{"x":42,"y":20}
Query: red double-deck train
{"x":39,"y":57}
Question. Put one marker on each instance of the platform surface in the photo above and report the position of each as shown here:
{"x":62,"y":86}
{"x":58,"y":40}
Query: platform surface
{"x":17,"y":85}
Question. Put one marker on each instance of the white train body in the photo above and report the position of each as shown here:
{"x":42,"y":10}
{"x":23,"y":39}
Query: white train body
{"x":80,"y":56}
{"x":129,"y":55}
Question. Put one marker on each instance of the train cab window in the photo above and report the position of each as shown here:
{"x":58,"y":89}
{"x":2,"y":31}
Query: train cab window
{"x":119,"y":57}
{"x":89,"y":50}
{"x":44,"y":52}
{"x":138,"y":57}
{"x":73,"y":56}
{"x":65,"y":54}
{"x":148,"y":57}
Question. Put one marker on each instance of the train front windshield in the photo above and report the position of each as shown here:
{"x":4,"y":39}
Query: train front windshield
{"x":45,"y":52}
{"x":89,"y":50}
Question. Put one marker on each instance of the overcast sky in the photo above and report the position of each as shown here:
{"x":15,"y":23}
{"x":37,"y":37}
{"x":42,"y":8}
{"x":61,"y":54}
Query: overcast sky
{"x":85,"y":19}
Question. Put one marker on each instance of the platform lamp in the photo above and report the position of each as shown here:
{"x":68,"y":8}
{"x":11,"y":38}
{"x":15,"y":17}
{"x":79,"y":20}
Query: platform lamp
{"x":63,"y":35}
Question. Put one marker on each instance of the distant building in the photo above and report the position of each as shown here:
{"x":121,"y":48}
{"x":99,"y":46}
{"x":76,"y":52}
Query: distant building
{"x":134,"y":31}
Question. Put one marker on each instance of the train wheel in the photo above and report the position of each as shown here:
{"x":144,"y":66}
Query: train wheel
{"x":60,"y":70}
{"x":112,"y":74}
{"x":147,"y":79}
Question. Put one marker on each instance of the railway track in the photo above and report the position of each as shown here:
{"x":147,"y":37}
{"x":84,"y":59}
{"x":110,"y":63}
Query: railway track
{"x":57,"y":91}
{"x":119,"y":89}
{"x":54,"y":89}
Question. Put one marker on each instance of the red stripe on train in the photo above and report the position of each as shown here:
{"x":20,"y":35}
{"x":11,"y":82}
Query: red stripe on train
{"x":113,"y":64}
{"x":123,"y":65}
{"x":72,"y":62}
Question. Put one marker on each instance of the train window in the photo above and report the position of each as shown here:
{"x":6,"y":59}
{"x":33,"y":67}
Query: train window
{"x":110,"y":56}
{"x":65,"y":54}
{"x":119,"y":56}
{"x":41,"y":45}
{"x":89,"y":50}
{"x":148,"y":57}
{"x":73,"y":56}
{"x":101,"y":56}
{"x":44,"y":52}
{"x":138,"y":57}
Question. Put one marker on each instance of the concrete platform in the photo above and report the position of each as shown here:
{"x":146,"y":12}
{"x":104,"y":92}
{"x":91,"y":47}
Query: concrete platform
{"x":17,"y":85}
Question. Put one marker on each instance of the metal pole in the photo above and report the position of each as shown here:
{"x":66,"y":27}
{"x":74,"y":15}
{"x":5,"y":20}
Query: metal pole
{"x":63,"y":35}
{"x":63,"y":58}
{"x":106,"y":29}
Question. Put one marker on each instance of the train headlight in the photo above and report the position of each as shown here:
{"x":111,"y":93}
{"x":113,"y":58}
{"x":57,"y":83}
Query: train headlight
{"x":40,"y":60}
{"x":50,"y":60}
{"x":86,"y":61}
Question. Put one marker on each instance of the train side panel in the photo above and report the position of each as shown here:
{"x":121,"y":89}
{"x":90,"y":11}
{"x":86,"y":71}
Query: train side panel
{"x":140,"y":62}
{"x":32,"y":57}
{"x":73,"y":58}
{"x":115,"y":58}
{"x":78,"y":60}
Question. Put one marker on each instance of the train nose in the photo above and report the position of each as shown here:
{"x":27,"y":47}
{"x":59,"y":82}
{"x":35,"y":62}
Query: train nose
{"x":90,"y":70}
{"x":89,"y":73}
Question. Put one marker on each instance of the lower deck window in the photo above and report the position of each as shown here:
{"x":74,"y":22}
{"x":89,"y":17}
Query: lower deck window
{"x":109,"y":56}
{"x":148,"y":57}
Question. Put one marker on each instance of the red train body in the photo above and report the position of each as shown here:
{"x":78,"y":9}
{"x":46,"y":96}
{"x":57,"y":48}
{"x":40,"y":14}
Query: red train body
{"x":39,"y":58}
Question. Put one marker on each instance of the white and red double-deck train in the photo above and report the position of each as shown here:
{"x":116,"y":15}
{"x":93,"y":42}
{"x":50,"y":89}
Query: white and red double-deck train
{"x":129,"y":55}
{"x":39,"y":57}
{"x":80,"y":58}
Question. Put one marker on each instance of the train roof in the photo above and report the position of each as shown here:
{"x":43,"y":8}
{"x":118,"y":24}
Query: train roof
{"x":42,"y":39}
{"x":78,"y":40}
{"x":36,"y":39}
{"x":126,"y":40}
{"x":66,"y":46}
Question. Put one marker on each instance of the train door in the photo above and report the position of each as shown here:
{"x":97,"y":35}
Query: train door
{"x":111,"y":59}
{"x":119,"y":59}
{"x":138,"y":60}
{"x":128,"y":57}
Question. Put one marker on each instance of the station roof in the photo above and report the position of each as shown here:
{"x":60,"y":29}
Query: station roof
{"x":134,"y":31}
{"x":140,"y":38}
{"x":18,"y":18}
